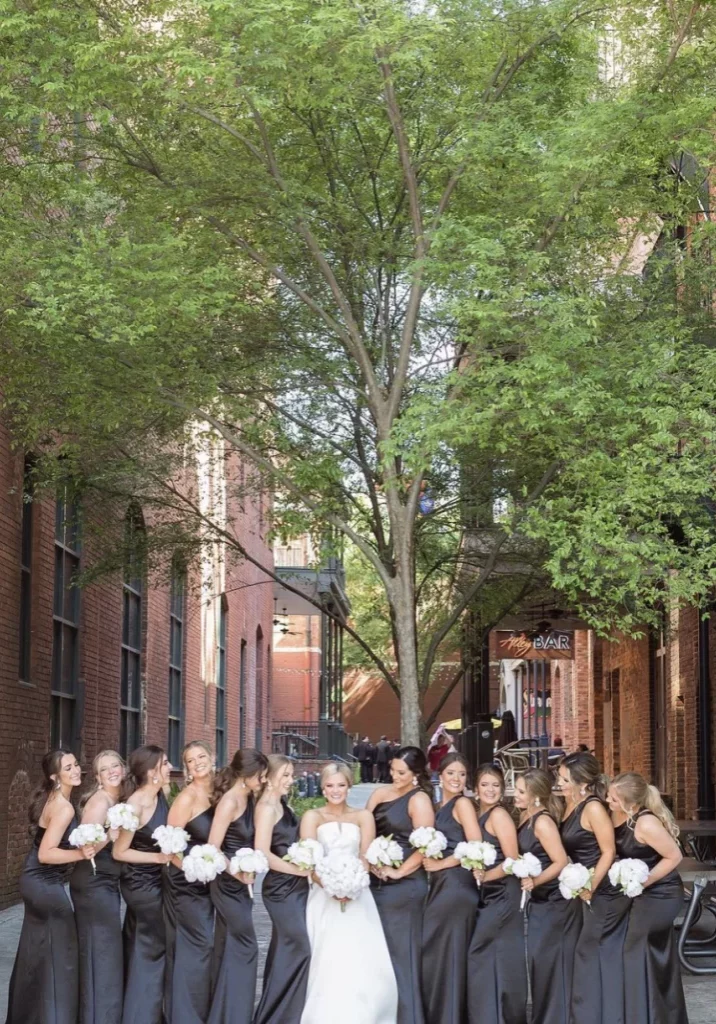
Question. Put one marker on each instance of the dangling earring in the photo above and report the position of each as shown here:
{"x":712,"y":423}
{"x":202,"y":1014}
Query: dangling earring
{"x":415,"y":780}
{"x":537,"y":801}
{"x":189,"y":778}
{"x":57,"y":785}
{"x":155,"y":780}
{"x":583,"y":791}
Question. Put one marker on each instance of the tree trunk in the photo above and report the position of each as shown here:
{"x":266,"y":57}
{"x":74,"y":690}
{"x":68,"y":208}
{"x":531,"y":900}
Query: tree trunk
{"x":410,"y":709}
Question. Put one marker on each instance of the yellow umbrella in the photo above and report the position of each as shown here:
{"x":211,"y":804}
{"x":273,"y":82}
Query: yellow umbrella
{"x":455,"y":724}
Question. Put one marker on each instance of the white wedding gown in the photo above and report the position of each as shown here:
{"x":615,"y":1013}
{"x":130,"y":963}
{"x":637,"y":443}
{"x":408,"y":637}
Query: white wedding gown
{"x":351,"y":977}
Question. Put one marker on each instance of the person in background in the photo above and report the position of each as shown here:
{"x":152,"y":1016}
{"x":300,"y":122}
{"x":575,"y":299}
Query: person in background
{"x":508,"y":730}
{"x":438,"y":749}
{"x":383,"y":759}
{"x":364,"y":752}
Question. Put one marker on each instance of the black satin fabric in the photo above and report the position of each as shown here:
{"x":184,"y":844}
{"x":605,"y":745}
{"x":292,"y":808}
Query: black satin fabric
{"x":653,"y":990}
{"x":598,"y":977}
{"x":496,"y":973}
{"x":99,"y":934}
{"x":144,"y":934}
{"x":45,"y":978}
{"x":189,"y":920}
{"x":236,"y":951}
{"x":289,"y":954}
{"x":448,"y":925}
{"x":553,"y":927}
{"x":401,"y":905}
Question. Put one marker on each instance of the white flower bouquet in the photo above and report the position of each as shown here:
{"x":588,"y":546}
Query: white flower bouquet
{"x":171,"y":839}
{"x":203,"y":863}
{"x":122,"y":816}
{"x":248,"y":862}
{"x":384,"y":852}
{"x":342,"y":876}
{"x":429,"y":841}
{"x":574,"y":879}
{"x":475,"y":855}
{"x":526,"y":866}
{"x":629,"y":875}
{"x":88,"y":835}
{"x":306,"y":853}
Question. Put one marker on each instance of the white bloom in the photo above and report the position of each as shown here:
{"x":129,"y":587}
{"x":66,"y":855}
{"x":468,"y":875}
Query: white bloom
{"x":526,"y":866}
{"x":122,"y":816}
{"x":573,"y":879}
{"x":629,"y":875}
{"x":429,"y":841}
{"x":88,"y":835}
{"x":342,"y":875}
{"x":475,"y":856}
{"x":171,"y":838}
{"x":249,"y":862}
{"x":203,"y":863}
{"x":306,"y":853}
{"x":384,"y":852}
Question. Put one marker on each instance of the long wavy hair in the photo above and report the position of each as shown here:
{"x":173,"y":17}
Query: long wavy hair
{"x":51,"y":765}
{"x":635,"y":792}
{"x":94,"y":788}
{"x":539,"y":786}
{"x":245,"y":764}
{"x":489,"y":769}
{"x":586,"y":772}
{"x":141,"y":762}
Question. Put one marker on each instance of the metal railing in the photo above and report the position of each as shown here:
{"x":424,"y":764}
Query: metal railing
{"x":295,"y":739}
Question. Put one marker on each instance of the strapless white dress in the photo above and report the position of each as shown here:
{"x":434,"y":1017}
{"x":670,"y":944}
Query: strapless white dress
{"x":351,"y":977}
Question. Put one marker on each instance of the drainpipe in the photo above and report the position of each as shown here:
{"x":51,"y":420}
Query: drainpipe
{"x":705,"y":778}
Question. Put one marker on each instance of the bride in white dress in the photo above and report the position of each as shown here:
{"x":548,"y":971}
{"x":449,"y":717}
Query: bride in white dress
{"x":351,"y":976}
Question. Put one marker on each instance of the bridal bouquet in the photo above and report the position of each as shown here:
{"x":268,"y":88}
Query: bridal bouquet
{"x":429,"y":841}
{"x":203,"y":863}
{"x":384,"y":852}
{"x":526,"y":866}
{"x":306,"y":853}
{"x":575,"y":878}
{"x":171,"y":839}
{"x":475,"y":856}
{"x":342,"y":876}
{"x":248,"y":862}
{"x":88,"y":835}
{"x":629,"y":875}
{"x":122,"y":816}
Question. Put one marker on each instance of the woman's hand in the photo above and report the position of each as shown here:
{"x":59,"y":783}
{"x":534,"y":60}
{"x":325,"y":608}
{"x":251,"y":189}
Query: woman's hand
{"x":433,"y":864}
{"x":88,"y":852}
{"x":113,"y":835}
{"x":176,"y":860}
{"x":586,"y":895}
{"x":393,"y":873}
{"x":528,"y":884}
{"x":246,"y":877}
{"x":162,"y":858}
{"x":479,"y":875}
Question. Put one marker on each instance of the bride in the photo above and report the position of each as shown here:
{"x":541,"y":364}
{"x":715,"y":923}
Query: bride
{"x":363,"y":987}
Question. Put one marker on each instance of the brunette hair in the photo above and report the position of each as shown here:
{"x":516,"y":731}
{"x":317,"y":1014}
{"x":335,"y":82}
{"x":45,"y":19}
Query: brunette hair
{"x":454,"y":758}
{"x":633,"y":789}
{"x":245,"y":764}
{"x":335,"y":768}
{"x":539,"y":786}
{"x":585,"y":771}
{"x":418,"y":765}
{"x":95,"y":771}
{"x":141,"y":762}
{"x":489,"y":769}
{"x":51,"y":765}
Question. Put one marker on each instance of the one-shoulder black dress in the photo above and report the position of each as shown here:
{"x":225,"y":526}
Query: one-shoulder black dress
{"x":448,"y":925}
{"x":496,"y":973}
{"x":652,"y":980}
{"x":144,"y":935}
{"x":189,"y":919}
{"x":553,"y":928}
{"x":235,"y":948}
{"x":289,"y":955}
{"x":99,"y":934}
{"x":401,"y":905}
{"x":598,"y":978}
{"x":44,"y":982}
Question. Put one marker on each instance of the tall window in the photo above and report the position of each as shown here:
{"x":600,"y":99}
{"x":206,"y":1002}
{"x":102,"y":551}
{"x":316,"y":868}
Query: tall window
{"x":131,"y":669}
{"x":26,"y":573}
{"x":176,"y":661}
{"x":259,"y":688}
{"x":64,"y":716}
{"x":220,"y":743}
{"x":242,"y":695}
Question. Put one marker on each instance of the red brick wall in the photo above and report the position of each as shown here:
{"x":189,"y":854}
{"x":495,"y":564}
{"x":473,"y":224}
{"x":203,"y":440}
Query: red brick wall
{"x":296,"y":670}
{"x":372,"y":709}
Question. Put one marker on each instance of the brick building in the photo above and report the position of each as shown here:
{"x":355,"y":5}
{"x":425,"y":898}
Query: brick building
{"x":124,"y":661}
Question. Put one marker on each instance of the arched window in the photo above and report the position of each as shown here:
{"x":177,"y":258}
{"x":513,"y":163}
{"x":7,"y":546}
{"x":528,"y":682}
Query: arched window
{"x":132,"y":633}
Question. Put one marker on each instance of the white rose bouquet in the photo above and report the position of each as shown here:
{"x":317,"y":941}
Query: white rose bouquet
{"x":248,"y":862}
{"x":526,"y":866}
{"x":429,"y":841}
{"x":629,"y":875}
{"x":342,"y":876}
{"x":122,"y":816}
{"x":574,"y":879}
{"x":306,"y":854}
{"x":475,"y":855}
{"x":384,"y":852}
{"x":88,"y":835}
{"x":203,"y":863}
{"x":171,"y":839}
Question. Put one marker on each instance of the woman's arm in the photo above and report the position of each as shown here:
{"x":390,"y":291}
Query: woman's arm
{"x":596,"y":818}
{"x":467,"y":816}
{"x":95,"y":813}
{"x":264,"y":821}
{"x":224,"y":814}
{"x":50,"y":851}
{"x":503,"y":827}
{"x":422,"y":815}
{"x":650,"y":831}
{"x":121,"y":850}
{"x":548,"y":835}
{"x":366,"y":823}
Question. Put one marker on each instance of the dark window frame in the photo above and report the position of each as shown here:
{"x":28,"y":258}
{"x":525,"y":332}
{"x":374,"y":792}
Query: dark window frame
{"x":259,"y":724}
{"x":220,"y":728}
{"x":132,"y":640}
{"x":177,"y":612}
{"x":26,"y":552}
{"x":65,"y":686}
{"x":243,"y":656}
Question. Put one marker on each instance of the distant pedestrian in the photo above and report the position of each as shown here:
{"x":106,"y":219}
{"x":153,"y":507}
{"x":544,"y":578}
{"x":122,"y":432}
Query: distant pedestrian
{"x":363,"y":750}
{"x":383,"y":757}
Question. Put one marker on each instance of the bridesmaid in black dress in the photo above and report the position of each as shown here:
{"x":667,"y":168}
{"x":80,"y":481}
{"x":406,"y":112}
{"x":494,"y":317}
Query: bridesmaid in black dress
{"x":144,"y":933}
{"x":285,"y":894}
{"x":44,"y":982}
{"x":645,"y":830}
{"x":400,"y":893}
{"x":452,"y":902}
{"x":496,"y":974}
{"x":188,"y":910}
{"x":235,"y":957}
{"x":588,"y":838}
{"x":554,"y":923}
{"x":97,"y":905}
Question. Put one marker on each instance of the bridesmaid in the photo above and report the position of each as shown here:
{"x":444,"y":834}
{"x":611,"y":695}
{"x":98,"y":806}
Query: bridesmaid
{"x":400,"y":893}
{"x":553,"y":923}
{"x":144,"y":936}
{"x":452,"y":903}
{"x":646,"y":830}
{"x":588,"y":838}
{"x":97,"y":905}
{"x":496,"y":974}
{"x":236,"y":951}
{"x":285,"y":894}
{"x":188,"y":910}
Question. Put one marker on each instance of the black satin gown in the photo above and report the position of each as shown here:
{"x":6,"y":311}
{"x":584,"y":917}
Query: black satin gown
{"x":652,"y":979}
{"x":144,"y":933}
{"x":496,"y":973}
{"x":553,"y":927}
{"x":598,"y":977}
{"x":401,"y":905}
{"x":289,"y":954}
{"x":44,"y":984}
{"x":236,"y":951}
{"x":189,"y":920}
{"x":448,"y":925}
{"x":99,"y":934}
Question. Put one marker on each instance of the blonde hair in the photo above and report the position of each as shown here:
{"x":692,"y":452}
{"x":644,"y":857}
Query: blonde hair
{"x":276,"y":762}
{"x":202,"y":745}
{"x":95,"y":772}
{"x":635,"y":791}
{"x":539,"y":786}
{"x":335,"y":768}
